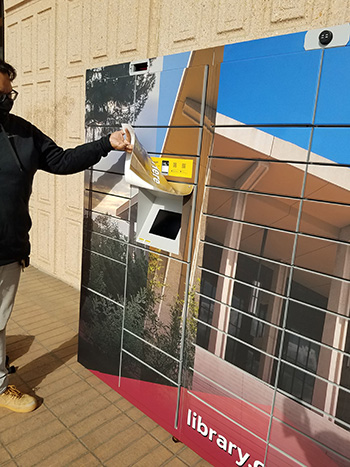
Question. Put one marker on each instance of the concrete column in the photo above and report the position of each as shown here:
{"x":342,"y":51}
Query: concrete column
{"x":279,"y":279}
{"x":225,"y":284}
{"x":335,"y":330}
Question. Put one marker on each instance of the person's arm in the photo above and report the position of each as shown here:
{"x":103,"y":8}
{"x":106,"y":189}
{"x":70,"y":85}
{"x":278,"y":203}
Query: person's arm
{"x":55,"y":159}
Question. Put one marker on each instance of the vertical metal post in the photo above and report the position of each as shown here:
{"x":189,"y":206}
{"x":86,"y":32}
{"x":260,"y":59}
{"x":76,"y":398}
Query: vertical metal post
{"x":290,"y":278}
{"x":191,"y":235}
{"x":126,"y":267}
{"x":2,"y":30}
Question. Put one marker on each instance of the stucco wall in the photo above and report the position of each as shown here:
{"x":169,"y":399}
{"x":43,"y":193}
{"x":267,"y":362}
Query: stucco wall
{"x":53,"y":42}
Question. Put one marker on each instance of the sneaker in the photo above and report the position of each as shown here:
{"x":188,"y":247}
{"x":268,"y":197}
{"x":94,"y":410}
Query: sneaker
{"x":15,"y":400}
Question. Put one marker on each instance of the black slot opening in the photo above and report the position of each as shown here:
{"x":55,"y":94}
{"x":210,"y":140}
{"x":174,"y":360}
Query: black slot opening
{"x":142,"y":66}
{"x":166,"y":224}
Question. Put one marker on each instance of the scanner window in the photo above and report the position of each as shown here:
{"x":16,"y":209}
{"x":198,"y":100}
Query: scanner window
{"x":166,"y":224}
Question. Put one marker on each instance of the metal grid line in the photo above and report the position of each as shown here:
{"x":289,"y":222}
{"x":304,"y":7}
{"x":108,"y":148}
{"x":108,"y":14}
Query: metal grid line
{"x":152,"y":345}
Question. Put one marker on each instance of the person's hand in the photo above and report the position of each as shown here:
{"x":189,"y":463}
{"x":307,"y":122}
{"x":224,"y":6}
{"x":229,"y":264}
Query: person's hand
{"x":121,"y":141}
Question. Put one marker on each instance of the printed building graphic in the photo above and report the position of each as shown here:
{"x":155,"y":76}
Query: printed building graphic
{"x":239,"y":345}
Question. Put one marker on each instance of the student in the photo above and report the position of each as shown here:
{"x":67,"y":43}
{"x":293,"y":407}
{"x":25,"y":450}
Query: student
{"x":24,"y":149}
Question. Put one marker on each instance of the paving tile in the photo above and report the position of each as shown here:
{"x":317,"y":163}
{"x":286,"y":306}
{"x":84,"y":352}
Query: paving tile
{"x":72,"y":316}
{"x":147,"y":423}
{"x":31,"y":327}
{"x":28,"y":424}
{"x":28,"y":357}
{"x":160,"y":434}
{"x":68,"y":388}
{"x":66,"y":455}
{"x":202,"y":463}
{"x":33,"y":318}
{"x":79,"y":369}
{"x":189,"y":456}
{"x":69,"y":359}
{"x":124,"y":404}
{"x":65,"y":352}
{"x":95,"y":420}
{"x":114,"y":397}
{"x":175,"y":462}
{"x":4,"y":455}
{"x":19,"y":355}
{"x":8,"y":419}
{"x":119,"y":442}
{"x":134,"y":413}
{"x":99,"y":385}
{"x":42,"y":326}
{"x":9,"y":464}
{"x":105,"y":432}
{"x":52,"y":389}
{"x":43,"y":451}
{"x":54,"y":341}
{"x":14,"y":328}
{"x":39,"y":368}
{"x":57,"y":330}
{"x":82,"y":409}
{"x":33,"y":438}
{"x":77,"y":403}
{"x":172,"y":446}
{"x":155,"y":458}
{"x":133,"y":453}
{"x":89,"y":460}
{"x":18,"y":340}
{"x":41,"y":382}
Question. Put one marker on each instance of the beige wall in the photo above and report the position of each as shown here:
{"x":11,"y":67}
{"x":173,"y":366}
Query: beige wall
{"x":53,"y":42}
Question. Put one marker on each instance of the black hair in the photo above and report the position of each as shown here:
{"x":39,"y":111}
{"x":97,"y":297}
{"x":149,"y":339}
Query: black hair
{"x":7,"y":69}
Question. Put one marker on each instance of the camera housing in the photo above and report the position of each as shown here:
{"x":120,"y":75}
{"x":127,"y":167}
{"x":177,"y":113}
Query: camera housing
{"x":325,"y":37}
{"x":335,"y":36}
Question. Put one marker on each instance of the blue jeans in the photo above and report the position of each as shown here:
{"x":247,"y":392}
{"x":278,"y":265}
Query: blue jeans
{"x":9,"y":279}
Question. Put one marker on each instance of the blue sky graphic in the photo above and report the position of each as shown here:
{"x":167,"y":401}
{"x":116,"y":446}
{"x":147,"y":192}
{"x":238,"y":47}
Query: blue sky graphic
{"x":274,"y":81}
{"x":173,"y":67}
{"x":161,"y":100}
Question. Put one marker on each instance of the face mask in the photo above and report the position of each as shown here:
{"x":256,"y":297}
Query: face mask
{"x":5,"y":107}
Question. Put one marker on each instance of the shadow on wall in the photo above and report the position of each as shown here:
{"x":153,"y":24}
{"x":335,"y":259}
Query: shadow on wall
{"x":312,"y":438}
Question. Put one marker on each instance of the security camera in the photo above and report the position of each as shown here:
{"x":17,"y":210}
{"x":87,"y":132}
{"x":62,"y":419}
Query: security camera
{"x":325,"y":37}
{"x":334,"y":36}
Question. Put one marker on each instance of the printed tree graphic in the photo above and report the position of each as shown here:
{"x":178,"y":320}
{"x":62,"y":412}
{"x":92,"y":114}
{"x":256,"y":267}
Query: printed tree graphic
{"x":113,"y":97}
{"x":101,"y":320}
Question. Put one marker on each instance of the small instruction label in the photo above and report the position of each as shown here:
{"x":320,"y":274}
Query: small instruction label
{"x":174,"y":167}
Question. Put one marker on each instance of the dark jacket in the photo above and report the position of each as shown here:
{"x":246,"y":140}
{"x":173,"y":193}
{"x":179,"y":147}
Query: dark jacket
{"x":24,"y":151}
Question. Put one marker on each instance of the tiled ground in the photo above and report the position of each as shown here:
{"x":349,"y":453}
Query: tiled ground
{"x":81,"y":421}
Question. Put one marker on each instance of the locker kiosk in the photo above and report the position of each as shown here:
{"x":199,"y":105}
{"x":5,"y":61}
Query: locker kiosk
{"x":226,"y":318}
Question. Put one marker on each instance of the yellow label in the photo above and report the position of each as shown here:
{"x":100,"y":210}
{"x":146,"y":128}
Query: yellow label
{"x":174,"y":167}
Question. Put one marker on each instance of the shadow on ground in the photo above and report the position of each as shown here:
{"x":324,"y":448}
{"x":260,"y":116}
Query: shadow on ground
{"x":34,"y":372}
